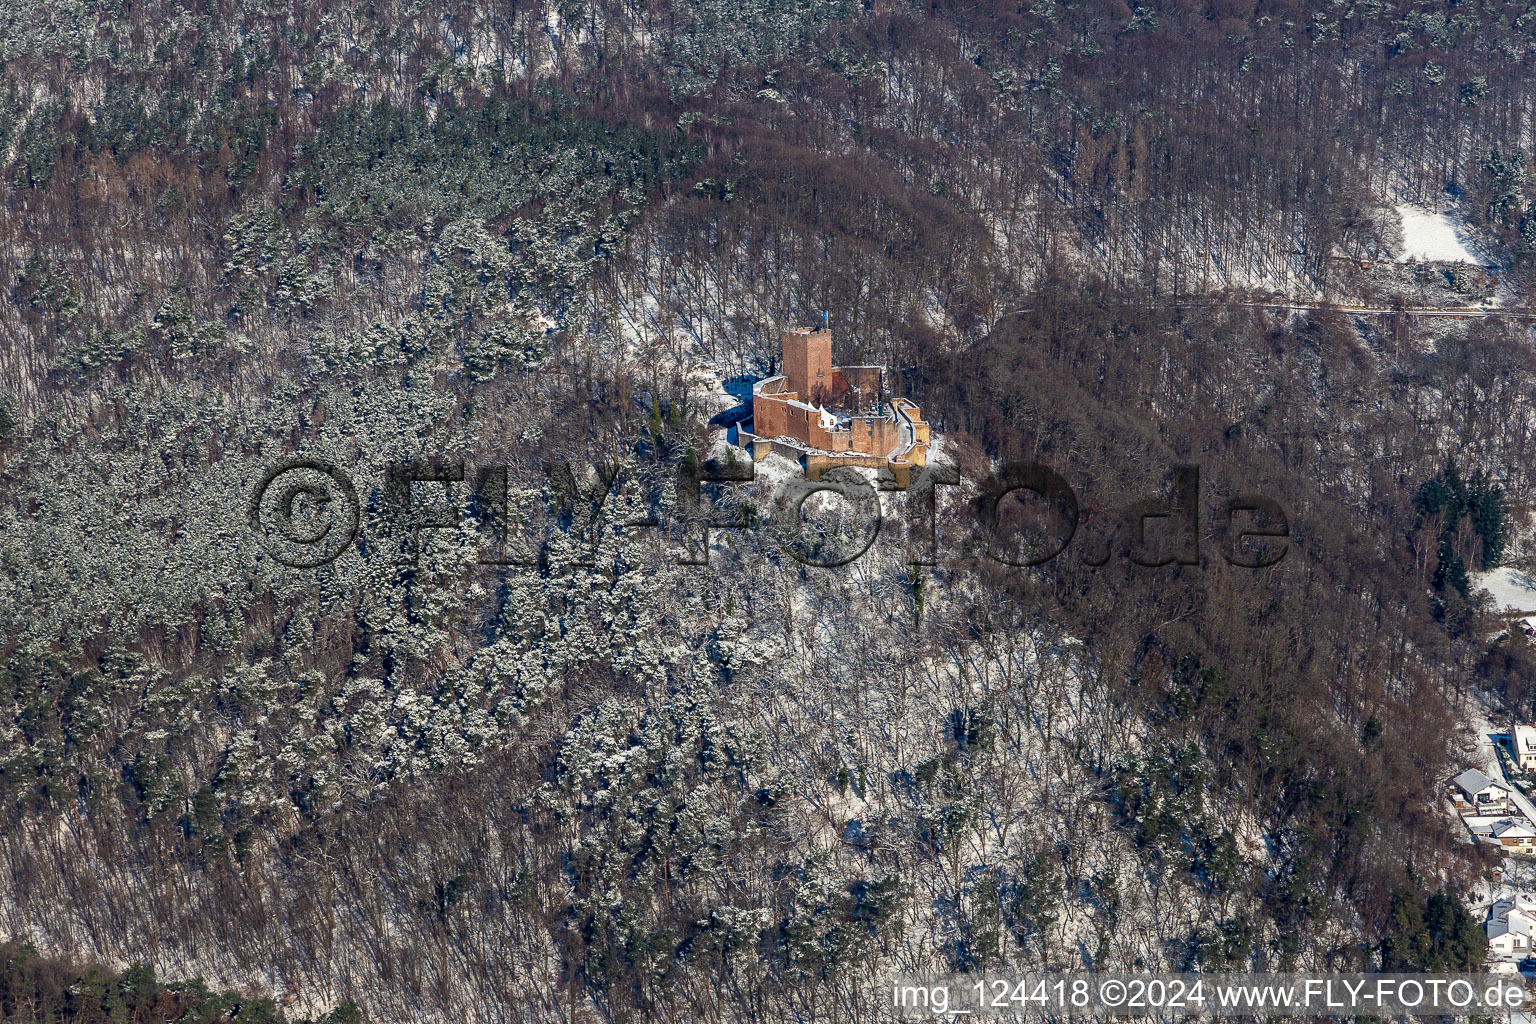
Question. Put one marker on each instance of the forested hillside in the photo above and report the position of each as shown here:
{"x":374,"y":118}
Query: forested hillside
{"x":609,"y":782}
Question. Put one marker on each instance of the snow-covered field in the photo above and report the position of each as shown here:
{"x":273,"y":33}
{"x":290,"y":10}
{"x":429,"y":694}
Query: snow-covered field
{"x":1431,"y":237}
{"x":1512,"y":590}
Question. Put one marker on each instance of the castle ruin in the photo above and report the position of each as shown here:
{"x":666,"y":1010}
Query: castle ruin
{"x":825,"y":416}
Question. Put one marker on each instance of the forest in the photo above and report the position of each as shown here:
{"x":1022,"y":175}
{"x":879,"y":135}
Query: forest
{"x":627,"y":773}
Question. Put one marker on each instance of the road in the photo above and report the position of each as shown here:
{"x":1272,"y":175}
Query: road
{"x":1449,"y":311}
{"x":1457,"y":312}
{"x":1495,"y":770}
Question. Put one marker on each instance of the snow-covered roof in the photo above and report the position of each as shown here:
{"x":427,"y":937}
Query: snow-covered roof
{"x":1525,"y":739}
{"x":1513,"y":924}
{"x":1513,"y":828}
{"x":1519,"y":904}
{"x":1473,"y":782}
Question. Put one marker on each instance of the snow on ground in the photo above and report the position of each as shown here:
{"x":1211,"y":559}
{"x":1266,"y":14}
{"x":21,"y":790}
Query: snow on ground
{"x":774,"y":470}
{"x":1431,"y":237}
{"x":704,"y":387}
{"x":1512,"y":590}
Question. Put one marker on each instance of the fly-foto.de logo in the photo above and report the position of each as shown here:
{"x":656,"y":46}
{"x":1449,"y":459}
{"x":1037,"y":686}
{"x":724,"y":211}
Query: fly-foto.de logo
{"x":307,"y":513}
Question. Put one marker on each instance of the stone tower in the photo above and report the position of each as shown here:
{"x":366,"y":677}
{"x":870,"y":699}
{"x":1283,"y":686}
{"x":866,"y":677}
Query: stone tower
{"x":808,"y":362}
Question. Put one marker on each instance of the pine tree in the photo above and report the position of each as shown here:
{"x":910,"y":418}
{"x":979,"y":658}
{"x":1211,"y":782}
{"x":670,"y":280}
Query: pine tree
{"x":1486,"y":509}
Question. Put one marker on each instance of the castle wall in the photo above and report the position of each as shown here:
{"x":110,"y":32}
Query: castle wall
{"x":775,"y":417}
{"x":816,"y":465}
{"x":768,"y":416}
{"x":919,"y":426}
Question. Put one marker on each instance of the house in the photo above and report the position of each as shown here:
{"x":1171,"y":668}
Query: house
{"x":1523,"y":902}
{"x":1510,"y":934}
{"x":1511,"y":925}
{"x":1522,"y":742}
{"x":1474,"y":793}
{"x":1514,"y":834}
{"x":826,"y":415}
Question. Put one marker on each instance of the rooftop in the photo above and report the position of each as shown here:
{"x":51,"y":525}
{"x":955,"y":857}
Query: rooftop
{"x":1525,"y":739}
{"x":1473,"y":781}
